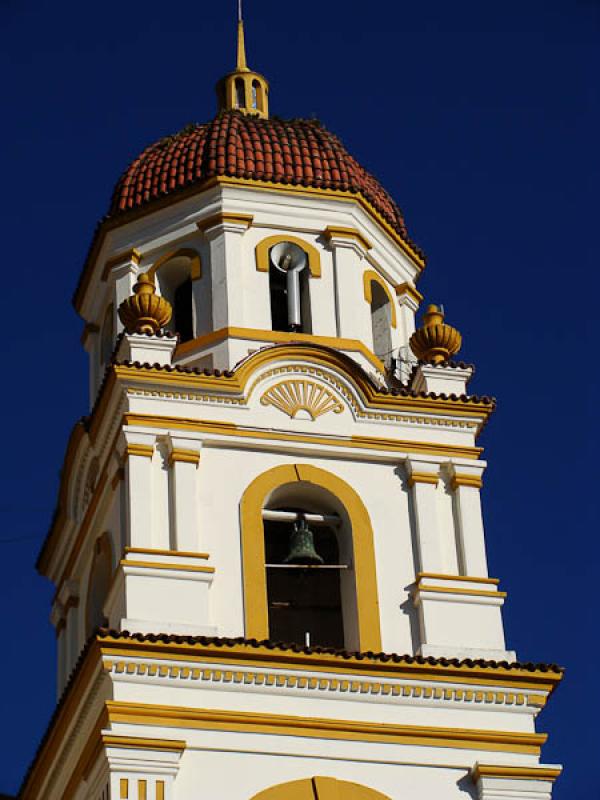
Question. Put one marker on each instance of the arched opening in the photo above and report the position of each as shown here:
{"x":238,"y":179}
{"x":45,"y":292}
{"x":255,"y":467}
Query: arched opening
{"x":345,"y":584}
{"x":175,"y":283}
{"x":257,"y":96}
{"x":381,"y":320}
{"x":289,"y":313}
{"x":98,"y":585}
{"x":107,"y":335}
{"x":304,"y":590}
{"x":319,"y":788}
{"x":240,"y":93}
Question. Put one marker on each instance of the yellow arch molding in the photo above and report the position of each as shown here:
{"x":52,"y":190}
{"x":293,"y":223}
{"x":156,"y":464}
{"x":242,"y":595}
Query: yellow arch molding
{"x":319,"y":789}
{"x":183,"y":252}
{"x":369,"y":276}
{"x":253,"y":549}
{"x":263,"y":247}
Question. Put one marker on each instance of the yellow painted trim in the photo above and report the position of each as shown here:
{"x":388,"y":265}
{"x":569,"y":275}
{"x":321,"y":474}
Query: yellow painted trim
{"x":222,"y":218}
{"x":253,"y":552}
{"x":368,"y":277}
{"x":142,"y":789}
{"x":329,"y":194}
{"x":411,"y":291}
{"x":466,"y":480}
{"x":185,"y":456}
{"x":155,"y":551}
{"x":182,"y":252}
{"x":166,"y":565}
{"x":423,"y":477}
{"x":132,"y":255}
{"x":265,"y":245}
{"x":143,"y":743}
{"x":337,"y":195}
{"x":323,"y":728}
{"x":319,"y":788}
{"x":354,"y":442}
{"x":124,"y":788}
{"x":450,"y":590}
{"x":520,"y":773}
{"x":268,"y":657}
{"x":444,"y":576}
{"x":340,"y":232}
{"x":143,"y":450}
{"x":278,"y":337}
{"x":160,"y":790}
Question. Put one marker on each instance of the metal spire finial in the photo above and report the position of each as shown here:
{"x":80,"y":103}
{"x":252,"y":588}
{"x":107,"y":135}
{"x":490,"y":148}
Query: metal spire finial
{"x":241,"y":45}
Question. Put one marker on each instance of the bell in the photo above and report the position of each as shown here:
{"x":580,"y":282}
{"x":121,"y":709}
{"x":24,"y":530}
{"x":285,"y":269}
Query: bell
{"x":302,"y":546}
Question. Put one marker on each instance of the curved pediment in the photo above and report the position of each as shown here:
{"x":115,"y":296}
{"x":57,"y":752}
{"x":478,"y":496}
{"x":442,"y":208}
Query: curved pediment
{"x":319,"y":789}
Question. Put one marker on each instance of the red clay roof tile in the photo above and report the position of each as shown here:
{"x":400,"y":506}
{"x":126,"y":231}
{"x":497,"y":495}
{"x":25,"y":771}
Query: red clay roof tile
{"x":299,"y":151}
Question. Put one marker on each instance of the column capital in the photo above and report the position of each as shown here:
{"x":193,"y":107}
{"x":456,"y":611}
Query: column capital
{"x":420,"y":471}
{"x":500,"y":781}
{"x":466,"y":475}
{"x":224,"y":222}
{"x":137,"y":443}
{"x":124,"y":263}
{"x":409,"y":296}
{"x":184,"y":449}
{"x":350,"y":238}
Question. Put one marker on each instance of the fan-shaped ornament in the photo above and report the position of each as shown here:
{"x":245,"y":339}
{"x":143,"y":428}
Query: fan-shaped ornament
{"x":302,"y":399}
{"x":435,"y":341}
{"x":144,"y":311}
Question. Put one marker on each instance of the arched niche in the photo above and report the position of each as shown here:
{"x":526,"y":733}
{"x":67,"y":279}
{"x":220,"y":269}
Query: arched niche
{"x":99,"y":579}
{"x":174,"y":273}
{"x":312,"y":489}
{"x":319,"y":788}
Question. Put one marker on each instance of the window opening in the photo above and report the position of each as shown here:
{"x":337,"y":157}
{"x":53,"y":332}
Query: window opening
{"x":182,"y":310}
{"x":99,"y":584}
{"x":289,"y":288}
{"x":254,"y":94}
{"x":240,"y":93}
{"x":303,"y":568}
{"x":380,"y":322}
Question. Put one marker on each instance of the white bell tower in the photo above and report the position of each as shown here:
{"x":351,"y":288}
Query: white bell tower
{"x":269,"y":554}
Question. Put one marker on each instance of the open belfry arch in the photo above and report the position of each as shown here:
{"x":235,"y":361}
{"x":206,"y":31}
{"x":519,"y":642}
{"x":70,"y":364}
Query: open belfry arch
{"x":268,"y":550}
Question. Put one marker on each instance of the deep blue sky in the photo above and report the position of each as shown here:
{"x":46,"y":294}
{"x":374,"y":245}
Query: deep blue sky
{"x":481,"y":119}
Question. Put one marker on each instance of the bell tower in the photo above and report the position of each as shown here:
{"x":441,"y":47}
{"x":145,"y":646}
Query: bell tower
{"x":269,"y":551}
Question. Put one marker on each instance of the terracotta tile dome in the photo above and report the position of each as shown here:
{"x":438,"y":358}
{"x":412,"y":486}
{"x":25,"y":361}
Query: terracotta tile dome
{"x":299,"y":152}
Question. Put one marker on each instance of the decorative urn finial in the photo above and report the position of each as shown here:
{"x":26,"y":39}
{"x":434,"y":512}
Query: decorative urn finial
{"x":144,"y":311}
{"x":435,"y":341}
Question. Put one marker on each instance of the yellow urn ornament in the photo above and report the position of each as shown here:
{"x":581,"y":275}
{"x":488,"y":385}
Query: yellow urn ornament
{"x":144,"y":311}
{"x":435,"y":341}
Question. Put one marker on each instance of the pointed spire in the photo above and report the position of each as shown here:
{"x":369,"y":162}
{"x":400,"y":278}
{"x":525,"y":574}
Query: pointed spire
{"x":243,"y":89}
{"x":242,"y":66}
{"x":241,"y":49}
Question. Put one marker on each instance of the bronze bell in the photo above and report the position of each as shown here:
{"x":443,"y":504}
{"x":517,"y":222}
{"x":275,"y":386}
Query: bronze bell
{"x":302,"y":546}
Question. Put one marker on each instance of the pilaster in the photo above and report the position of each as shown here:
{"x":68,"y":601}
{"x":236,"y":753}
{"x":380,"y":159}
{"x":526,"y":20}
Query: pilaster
{"x":224,"y":233}
{"x":423,"y":480}
{"x":349,"y":253}
{"x":184,"y":458}
{"x":121,"y":272}
{"x":139,"y":451}
{"x":466,"y":482}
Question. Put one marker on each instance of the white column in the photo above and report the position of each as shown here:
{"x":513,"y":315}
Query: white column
{"x":121,"y":274}
{"x":139,"y":450}
{"x":69,"y":600}
{"x":184,"y":459}
{"x":57,"y":618}
{"x":466,"y":483}
{"x":224,"y":234}
{"x":408,"y":305}
{"x":353,"y":317}
{"x":423,"y":479}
